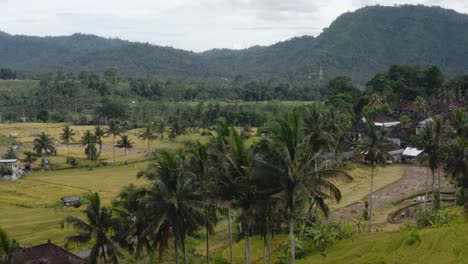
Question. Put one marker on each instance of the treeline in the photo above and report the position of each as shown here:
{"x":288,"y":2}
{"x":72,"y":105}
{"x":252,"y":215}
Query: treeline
{"x":89,"y":96}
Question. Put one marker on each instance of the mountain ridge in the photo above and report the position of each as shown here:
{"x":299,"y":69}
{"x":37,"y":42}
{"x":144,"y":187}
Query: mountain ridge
{"x":358,"y":44}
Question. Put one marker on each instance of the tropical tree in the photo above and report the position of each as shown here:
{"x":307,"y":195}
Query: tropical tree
{"x":43,"y":145}
{"x":89,"y":141}
{"x":114,"y":129}
{"x":67,"y":136}
{"x":301,"y":186}
{"x":148,"y":135}
{"x":457,"y":164}
{"x":7,"y":247}
{"x":132,"y":223}
{"x":96,"y":229}
{"x":374,"y":148}
{"x":241,"y":181}
{"x":125,"y":143}
{"x":99,"y":133}
{"x":420,"y":105}
{"x":10,"y":153}
{"x":30,"y":157}
{"x":161,"y":128}
{"x":173,"y":203}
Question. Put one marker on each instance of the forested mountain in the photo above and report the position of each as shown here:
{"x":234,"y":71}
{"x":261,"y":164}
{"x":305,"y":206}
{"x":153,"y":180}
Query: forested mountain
{"x":358,"y":44}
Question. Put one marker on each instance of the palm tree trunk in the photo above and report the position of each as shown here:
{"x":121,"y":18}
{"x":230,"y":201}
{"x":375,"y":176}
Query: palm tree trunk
{"x":176,"y":248}
{"x":185,"y":253}
{"x":207,"y":235}
{"x":113,"y":148}
{"x":265,"y":250}
{"x":291,"y":240}
{"x":371,"y":198}
{"x":432,"y":189}
{"x":103,"y":253}
{"x":125,"y":154}
{"x":230,"y":236}
{"x":427,"y":188}
{"x":269,"y":247}
{"x":148,"y":146}
{"x":68,"y":154}
{"x":247,"y":246}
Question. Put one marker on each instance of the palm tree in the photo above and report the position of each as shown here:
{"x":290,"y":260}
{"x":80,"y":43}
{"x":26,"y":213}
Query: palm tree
{"x":459,"y":122}
{"x":373,"y":146}
{"x":173,"y":203}
{"x":99,"y":133}
{"x":43,"y":145}
{"x":96,"y":228}
{"x":300,"y":185}
{"x":30,"y":157}
{"x":125,"y":143}
{"x":148,"y":135}
{"x":132,"y":222}
{"x":457,"y":164}
{"x":431,"y":141}
{"x":420,"y":105}
{"x":7,"y":247}
{"x":89,"y":140}
{"x":114,"y":129}
{"x":161,"y":128}
{"x":200,"y":166}
{"x":67,"y":136}
{"x":240,"y":179}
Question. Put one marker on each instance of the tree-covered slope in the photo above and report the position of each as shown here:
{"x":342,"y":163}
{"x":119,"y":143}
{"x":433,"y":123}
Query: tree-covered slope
{"x":358,"y":44}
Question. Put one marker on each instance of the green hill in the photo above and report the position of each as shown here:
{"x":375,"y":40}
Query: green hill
{"x":359,"y":44}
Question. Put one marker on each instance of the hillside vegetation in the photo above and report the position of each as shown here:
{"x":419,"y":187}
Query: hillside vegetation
{"x":358,"y":44}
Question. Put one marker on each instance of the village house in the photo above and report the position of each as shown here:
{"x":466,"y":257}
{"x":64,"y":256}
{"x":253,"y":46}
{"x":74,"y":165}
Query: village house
{"x":10,"y":170}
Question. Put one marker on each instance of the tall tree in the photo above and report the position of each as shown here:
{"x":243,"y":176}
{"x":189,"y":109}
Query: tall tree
{"x":67,"y":136}
{"x":420,"y":105}
{"x":7,"y":247}
{"x":173,"y":203}
{"x":373,"y":147}
{"x":43,"y":145}
{"x":114,"y":129}
{"x":96,"y":228}
{"x":125,"y":143}
{"x":99,"y":133}
{"x":148,"y":135}
{"x":301,"y":185}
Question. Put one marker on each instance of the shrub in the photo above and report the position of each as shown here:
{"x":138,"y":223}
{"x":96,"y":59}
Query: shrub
{"x":72,"y":161}
{"x":434,"y":218}
{"x":413,"y":237}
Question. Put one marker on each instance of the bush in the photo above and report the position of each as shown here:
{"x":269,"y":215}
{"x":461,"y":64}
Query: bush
{"x":72,"y":161}
{"x":413,"y":237}
{"x":434,"y":218}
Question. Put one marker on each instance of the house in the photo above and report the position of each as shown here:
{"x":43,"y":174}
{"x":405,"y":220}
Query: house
{"x":72,"y":200}
{"x":9,"y":170}
{"x":411,"y":153}
{"x":396,"y":155}
{"x":46,"y":253}
{"x":421,"y":125}
{"x":381,"y":120}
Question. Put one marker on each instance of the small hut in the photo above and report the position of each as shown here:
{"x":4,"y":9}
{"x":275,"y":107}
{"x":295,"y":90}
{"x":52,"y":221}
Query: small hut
{"x":72,"y":200}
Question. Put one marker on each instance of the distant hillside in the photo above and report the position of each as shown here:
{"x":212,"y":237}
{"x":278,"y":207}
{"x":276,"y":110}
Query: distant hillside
{"x":358,"y":44}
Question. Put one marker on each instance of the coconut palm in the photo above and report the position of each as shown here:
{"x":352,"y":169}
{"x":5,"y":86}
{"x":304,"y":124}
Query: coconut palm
{"x":173,"y":203}
{"x":161,"y":128}
{"x":457,"y":164}
{"x":420,"y":105}
{"x":67,"y":137}
{"x":99,"y":133}
{"x":43,"y":145}
{"x":89,"y":141}
{"x":96,"y":228}
{"x":240,"y":179}
{"x":459,"y":122}
{"x":301,"y":186}
{"x":125,"y":143}
{"x":30,"y":157}
{"x":114,"y":129}
{"x":148,"y":135}
{"x":373,"y":146}
{"x":132,"y":222}
{"x":200,"y":167}
{"x":431,"y":142}
{"x":7,"y":247}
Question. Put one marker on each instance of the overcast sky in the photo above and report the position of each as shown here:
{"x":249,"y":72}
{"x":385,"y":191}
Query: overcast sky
{"x":188,"y":24}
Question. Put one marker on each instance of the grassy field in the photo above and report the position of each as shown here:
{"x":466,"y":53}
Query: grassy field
{"x":27,"y":206}
{"x":437,"y":246}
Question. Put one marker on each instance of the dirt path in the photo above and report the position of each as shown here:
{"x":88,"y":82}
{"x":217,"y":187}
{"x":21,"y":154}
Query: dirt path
{"x":413,"y":181}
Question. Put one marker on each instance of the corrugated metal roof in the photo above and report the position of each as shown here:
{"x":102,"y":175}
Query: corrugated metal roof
{"x":412,"y":152}
{"x":8,"y":160}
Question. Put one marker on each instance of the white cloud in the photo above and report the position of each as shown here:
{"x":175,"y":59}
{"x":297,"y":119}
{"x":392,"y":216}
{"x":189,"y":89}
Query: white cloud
{"x":195,"y":25}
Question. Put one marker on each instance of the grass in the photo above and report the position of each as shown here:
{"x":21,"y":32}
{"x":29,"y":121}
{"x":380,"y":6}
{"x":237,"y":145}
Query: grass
{"x":438,"y":245}
{"x":27,"y":205}
{"x":358,"y":189}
